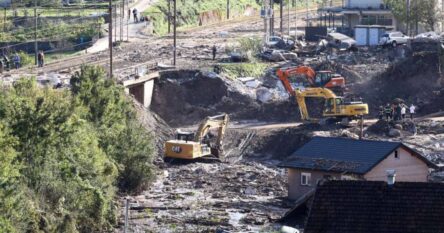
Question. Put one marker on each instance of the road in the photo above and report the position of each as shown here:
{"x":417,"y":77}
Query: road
{"x":131,"y":30}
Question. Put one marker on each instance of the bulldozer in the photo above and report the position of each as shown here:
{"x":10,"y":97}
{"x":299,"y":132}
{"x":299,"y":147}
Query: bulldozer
{"x":325,"y":78}
{"x":336,"y":109}
{"x":190,"y":145}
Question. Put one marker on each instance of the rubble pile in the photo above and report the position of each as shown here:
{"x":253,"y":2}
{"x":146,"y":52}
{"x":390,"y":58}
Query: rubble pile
{"x":416,"y":79}
{"x":186,"y":97}
{"x":202,"y":197}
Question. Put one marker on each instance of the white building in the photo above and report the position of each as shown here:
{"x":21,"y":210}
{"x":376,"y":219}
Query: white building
{"x":367,"y":12}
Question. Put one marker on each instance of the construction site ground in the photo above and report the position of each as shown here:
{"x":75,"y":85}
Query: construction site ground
{"x":247,"y":192}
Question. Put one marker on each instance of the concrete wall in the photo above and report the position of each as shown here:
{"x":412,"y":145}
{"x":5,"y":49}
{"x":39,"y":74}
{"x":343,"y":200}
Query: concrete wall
{"x":407,"y":166}
{"x":142,"y":92}
{"x":296,"y":190}
{"x":363,"y":3}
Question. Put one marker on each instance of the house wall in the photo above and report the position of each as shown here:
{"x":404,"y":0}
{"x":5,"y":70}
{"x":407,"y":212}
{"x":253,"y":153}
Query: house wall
{"x":296,"y":190}
{"x":408,"y":168}
{"x":363,"y":3}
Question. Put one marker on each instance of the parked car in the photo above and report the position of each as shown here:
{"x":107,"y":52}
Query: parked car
{"x":280,"y":43}
{"x":393,"y":38}
{"x":340,"y":41}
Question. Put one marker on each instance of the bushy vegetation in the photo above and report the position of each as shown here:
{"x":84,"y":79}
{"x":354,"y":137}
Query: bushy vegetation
{"x":47,"y":31}
{"x":65,"y":154}
{"x":189,"y":10}
{"x":238,"y":70}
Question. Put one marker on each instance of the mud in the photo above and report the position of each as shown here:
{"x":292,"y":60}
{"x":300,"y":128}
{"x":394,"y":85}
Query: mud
{"x":416,"y":79}
{"x":186,"y":97}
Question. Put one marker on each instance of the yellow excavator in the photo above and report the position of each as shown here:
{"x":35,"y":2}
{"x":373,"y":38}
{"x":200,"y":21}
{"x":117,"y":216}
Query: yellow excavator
{"x":336,"y":109}
{"x":189,"y":145}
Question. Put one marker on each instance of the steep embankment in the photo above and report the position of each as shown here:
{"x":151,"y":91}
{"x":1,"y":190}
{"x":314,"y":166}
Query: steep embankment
{"x":416,"y":79}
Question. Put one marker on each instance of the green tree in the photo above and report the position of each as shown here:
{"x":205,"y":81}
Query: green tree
{"x":63,"y":166}
{"x":113,"y":115}
{"x":424,"y":12}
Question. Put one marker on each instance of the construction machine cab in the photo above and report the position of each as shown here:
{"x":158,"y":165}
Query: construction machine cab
{"x":322,"y":78}
{"x":184,"y":136}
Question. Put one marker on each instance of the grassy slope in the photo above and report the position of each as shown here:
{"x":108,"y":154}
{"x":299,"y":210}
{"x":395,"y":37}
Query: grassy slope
{"x":190,"y":10}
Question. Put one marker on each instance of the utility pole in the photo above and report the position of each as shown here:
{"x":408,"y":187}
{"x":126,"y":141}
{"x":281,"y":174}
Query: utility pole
{"x":289,"y":26}
{"x":110,"y":38}
{"x":169,"y":16}
{"x":115,"y":23}
{"x":4,"y":22}
{"x":306,"y":9}
{"x":281,"y":11}
{"x":295,"y":4}
{"x":125,"y":227}
{"x":36,"y":46}
{"x":128,"y":20}
{"x":228,"y":9}
{"x":272,"y":18}
{"x":122,"y":14}
{"x":174,"y":29}
{"x":265,"y":9}
{"x":408,"y":17}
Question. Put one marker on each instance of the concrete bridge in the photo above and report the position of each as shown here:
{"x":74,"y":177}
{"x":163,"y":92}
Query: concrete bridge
{"x":142,"y":88}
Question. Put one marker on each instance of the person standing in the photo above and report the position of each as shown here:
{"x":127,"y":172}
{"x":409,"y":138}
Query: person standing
{"x":41,"y":59}
{"x":129,"y":13}
{"x":2,"y":66}
{"x":398,"y":113}
{"x":135,"y":15}
{"x":412,"y":111}
{"x":388,"y":112}
{"x":6,"y":61}
{"x":16,"y":59}
{"x":403,"y":111}
{"x":214,"y":50}
{"x":381,"y":112}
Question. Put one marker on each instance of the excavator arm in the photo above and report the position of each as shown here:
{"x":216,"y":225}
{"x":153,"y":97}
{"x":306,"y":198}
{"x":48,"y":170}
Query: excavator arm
{"x":219,"y":121}
{"x":284,"y":75}
{"x":311,"y":92}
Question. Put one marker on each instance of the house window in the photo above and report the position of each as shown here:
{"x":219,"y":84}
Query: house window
{"x":396,"y":154}
{"x":305,"y":178}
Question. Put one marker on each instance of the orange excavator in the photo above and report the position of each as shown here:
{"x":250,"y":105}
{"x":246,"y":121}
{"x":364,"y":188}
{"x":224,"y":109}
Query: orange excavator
{"x":326,"y":79}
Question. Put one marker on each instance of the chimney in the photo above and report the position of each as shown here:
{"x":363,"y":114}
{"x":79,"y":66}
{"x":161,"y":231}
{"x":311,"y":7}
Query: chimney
{"x":391,"y":174}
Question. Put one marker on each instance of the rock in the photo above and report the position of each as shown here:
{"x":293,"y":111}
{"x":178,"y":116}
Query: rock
{"x":398,"y":126}
{"x":253,"y":84}
{"x":250,"y":191}
{"x":263,"y":95}
{"x":246,"y":79}
{"x":287,"y":229}
{"x":395,"y":133}
{"x":380,"y":127}
{"x":210,"y":74}
{"x":348,"y":134}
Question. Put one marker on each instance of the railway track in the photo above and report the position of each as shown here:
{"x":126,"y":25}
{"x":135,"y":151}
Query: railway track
{"x":101,"y":58}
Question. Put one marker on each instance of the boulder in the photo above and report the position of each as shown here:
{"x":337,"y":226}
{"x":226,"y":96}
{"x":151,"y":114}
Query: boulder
{"x":395,"y":133}
{"x":263,"y":95}
{"x":398,"y":126}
